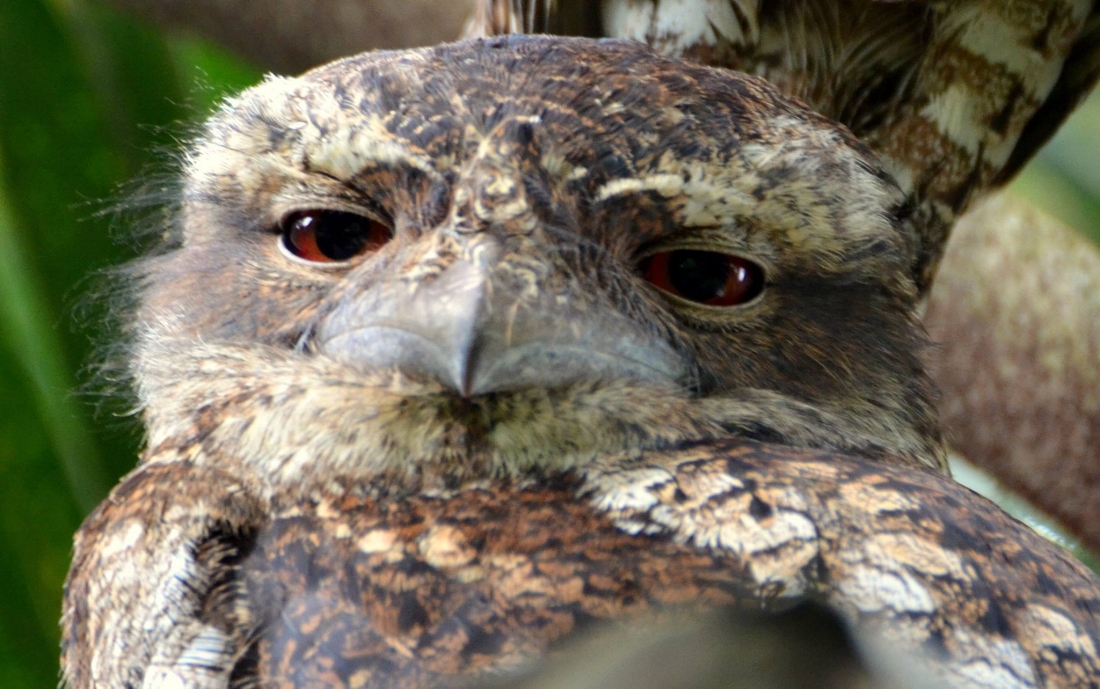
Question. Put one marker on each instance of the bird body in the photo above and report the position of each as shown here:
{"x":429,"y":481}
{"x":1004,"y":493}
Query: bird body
{"x":460,"y":350}
{"x":350,"y":586}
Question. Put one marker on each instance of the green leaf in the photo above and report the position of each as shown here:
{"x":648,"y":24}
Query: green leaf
{"x":86,"y":97}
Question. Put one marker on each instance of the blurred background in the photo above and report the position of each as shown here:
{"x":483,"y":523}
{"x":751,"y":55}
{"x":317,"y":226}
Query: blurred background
{"x":91,"y":98}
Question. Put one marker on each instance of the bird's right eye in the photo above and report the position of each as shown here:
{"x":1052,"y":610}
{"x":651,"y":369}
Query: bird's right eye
{"x":325,"y":236}
{"x":710,"y":278}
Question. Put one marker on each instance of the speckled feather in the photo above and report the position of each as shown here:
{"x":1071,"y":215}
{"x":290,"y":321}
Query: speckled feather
{"x":956,"y":96}
{"x":1031,"y":321}
{"x":354,"y":587}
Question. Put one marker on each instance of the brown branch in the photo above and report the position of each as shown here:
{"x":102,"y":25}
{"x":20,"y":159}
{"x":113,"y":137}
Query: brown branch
{"x":1016,"y":308}
{"x":288,"y":36}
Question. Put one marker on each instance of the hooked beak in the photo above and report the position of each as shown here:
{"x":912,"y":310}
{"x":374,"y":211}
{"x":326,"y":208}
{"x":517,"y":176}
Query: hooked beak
{"x":479,"y":337}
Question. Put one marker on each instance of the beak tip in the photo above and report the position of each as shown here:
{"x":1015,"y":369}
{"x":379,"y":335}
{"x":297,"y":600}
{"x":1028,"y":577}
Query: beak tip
{"x":462,"y":378}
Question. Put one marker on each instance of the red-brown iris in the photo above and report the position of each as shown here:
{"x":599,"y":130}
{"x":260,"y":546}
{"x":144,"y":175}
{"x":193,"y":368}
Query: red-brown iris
{"x":326,"y":236}
{"x":705,"y":277}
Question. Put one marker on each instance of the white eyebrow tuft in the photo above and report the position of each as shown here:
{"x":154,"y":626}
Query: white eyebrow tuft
{"x":662,"y":183}
{"x":346,"y":157}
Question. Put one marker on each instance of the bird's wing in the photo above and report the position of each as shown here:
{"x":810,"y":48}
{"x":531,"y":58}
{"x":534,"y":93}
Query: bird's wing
{"x":343,"y":586}
{"x":148,"y":600}
{"x":912,"y":555}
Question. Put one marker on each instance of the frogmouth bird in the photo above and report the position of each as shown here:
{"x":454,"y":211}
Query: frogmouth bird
{"x":455,"y":352}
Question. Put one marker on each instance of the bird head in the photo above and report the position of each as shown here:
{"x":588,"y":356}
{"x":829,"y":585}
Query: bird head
{"x":508,"y":257}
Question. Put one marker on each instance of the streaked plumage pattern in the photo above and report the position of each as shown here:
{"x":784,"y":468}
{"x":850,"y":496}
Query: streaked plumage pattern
{"x":318,"y":508}
{"x":348,"y":586}
{"x":955,"y":96}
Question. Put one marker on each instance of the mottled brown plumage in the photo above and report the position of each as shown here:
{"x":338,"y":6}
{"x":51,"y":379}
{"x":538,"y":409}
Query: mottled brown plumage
{"x":443,"y":456}
{"x":955,"y":96}
{"x":355,"y":587}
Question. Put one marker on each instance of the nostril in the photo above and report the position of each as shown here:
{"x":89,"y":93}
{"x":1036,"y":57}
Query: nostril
{"x":525,"y":133}
{"x":700,"y":382}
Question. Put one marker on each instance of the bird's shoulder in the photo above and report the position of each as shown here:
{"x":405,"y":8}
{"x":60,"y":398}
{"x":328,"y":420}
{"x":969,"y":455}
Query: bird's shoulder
{"x":428,"y":587}
{"x":342,"y":582}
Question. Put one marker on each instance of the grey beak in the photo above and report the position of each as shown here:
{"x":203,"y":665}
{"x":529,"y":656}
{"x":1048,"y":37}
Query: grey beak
{"x":478,"y":337}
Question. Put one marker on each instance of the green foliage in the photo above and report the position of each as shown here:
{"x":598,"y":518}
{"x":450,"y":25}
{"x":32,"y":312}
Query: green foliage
{"x":87,"y":97}
{"x":1065,"y":178}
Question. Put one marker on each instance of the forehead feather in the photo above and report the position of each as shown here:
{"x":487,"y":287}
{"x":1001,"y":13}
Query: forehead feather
{"x":723,"y":144}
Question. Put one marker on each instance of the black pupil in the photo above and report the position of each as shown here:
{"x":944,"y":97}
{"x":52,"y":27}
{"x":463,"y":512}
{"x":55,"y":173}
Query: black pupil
{"x":698,"y":275}
{"x":339,"y":235}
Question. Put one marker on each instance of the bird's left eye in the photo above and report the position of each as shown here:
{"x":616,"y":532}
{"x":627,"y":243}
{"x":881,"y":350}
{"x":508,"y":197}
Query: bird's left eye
{"x":704,"y":277}
{"x":324,"y":236}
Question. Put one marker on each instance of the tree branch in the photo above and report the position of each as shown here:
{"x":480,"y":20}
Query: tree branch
{"x":1015,"y":311}
{"x":288,"y":36}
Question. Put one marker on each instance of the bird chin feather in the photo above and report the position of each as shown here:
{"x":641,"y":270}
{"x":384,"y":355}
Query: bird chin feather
{"x":261,"y":408}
